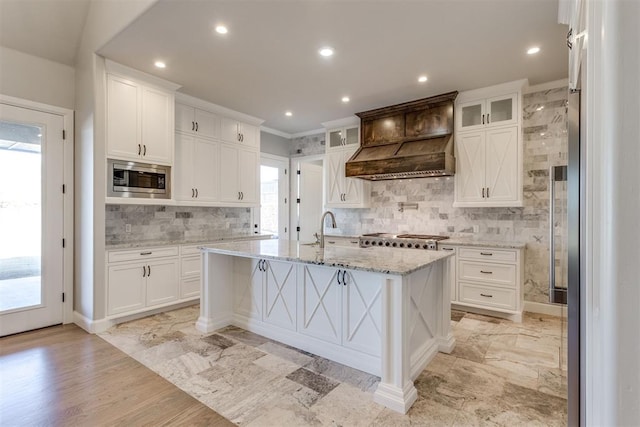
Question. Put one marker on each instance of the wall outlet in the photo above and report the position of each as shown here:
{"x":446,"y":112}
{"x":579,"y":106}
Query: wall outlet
{"x":127,"y":228}
{"x":476,"y":228}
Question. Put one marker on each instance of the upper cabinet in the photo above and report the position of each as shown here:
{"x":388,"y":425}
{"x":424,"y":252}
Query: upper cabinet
{"x":195,"y":121}
{"x":140,"y":116}
{"x":236,"y":132}
{"x":488,"y":147}
{"x":342,"y":141}
{"x":483,"y":113}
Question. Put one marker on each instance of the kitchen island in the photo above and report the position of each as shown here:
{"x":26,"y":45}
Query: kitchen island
{"x":383,"y":311}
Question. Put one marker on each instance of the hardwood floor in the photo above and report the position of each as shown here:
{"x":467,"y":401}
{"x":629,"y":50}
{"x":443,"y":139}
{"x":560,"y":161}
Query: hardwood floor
{"x":63,"y":376}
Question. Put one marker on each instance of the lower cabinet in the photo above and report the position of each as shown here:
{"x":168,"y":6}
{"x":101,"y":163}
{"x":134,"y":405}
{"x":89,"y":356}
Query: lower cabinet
{"x":341,"y":307}
{"x":145,"y":278}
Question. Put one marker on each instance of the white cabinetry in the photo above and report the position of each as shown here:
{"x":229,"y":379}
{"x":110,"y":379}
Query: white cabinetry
{"x":238,"y":175}
{"x":190,"y":266}
{"x":488,"y":142}
{"x":490,"y":279}
{"x":140,"y":119}
{"x":196,"y":121}
{"x":140,"y":279}
{"x":197,"y":168}
{"x":342,"y":141}
{"x":342,"y":307}
{"x":346,"y":241}
{"x":233,"y":131}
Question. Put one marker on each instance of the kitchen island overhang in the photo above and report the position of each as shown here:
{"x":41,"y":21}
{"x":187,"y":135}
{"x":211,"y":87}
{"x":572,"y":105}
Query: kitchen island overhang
{"x":382,"y":311}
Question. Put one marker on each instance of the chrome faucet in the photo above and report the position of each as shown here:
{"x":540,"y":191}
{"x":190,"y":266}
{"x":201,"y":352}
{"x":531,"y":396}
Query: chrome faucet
{"x":333,"y":225}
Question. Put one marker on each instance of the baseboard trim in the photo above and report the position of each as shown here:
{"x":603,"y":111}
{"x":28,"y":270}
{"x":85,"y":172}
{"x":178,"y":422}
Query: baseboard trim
{"x":543,"y":308}
{"x":92,"y":326}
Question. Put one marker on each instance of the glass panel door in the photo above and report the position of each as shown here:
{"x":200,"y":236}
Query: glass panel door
{"x":335,"y":138}
{"x":353,"y":137}
{"x":269,"y":200}
{"x":501,"y":110}
{"x":31,"y":219}
{"x":472,"y":114}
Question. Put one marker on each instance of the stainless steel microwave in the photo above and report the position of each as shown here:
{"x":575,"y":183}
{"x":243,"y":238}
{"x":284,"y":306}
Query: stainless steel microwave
{"x":132,"y":179}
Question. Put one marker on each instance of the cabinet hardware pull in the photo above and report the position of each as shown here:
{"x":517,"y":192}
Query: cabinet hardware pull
{"x":486,"y":253}
{"x":485,"y":295}
{"x":196,"y":126}
{"x":193,"y":193}
{"x":483,"y":119}
{"x":193,"y":125}
{"x":238,"y":137}
{"x":242,"y":137}
{"x":144,"y":271}
{"x":145,"y":150}
{"x":486,"y":272}
{"x":447,"y":249}
{"x":146,"y":253}
{"x":344,"y":277}
{"x":488,"y":121}
{"x":339,"y":282}
{"x":242,"y":194}
{"x":149,"y":272}
{"x":354,"y":242}
{"x":196,"y":193}
{"x":139,"y":149}
{"x":487,"y":192}
{"x":483,"y":192}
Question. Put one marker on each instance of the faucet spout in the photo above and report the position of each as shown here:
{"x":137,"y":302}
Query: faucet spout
{"x":333,"y":225}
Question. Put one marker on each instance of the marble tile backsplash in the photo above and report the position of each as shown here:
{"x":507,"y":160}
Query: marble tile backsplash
{"x":545,"y":144}
{"x":308,"y":145}
{"x":174,"y":223}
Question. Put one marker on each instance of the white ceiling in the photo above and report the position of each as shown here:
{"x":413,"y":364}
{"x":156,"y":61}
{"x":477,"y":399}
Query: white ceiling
{"x":268,"y":62}
{"x":49,"y":29}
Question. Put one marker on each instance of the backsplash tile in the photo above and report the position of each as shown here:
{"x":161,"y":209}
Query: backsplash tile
{"x":174,"y":223}
{"x":308,"y":145}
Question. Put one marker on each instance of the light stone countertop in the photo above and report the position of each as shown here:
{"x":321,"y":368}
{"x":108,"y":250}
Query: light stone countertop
{"x":156,"y":243}
{"x":469,"y":241}
{"x":378,"y":260}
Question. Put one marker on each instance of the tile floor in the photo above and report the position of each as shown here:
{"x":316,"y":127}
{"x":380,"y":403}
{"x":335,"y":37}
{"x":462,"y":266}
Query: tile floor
{"x":500,"y":373}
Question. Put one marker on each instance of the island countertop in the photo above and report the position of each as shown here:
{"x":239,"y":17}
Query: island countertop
{"x":378,"y":260}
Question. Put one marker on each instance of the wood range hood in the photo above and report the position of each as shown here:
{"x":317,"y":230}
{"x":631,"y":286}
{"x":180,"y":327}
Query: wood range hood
{"x":409,"y":140}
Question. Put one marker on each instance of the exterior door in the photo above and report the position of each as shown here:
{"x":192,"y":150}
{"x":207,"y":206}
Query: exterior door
{"x":31,"y":219}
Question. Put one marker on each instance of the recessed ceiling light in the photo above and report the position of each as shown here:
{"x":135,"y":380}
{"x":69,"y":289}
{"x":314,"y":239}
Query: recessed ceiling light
{"x":160,"y":64}
{"x":422,"y":79}
{"x":221,"y":29}
{"x":288,"y":114}
{"x":533,"y":50}
{"x":326,"y":51}
{"x":345,"y":99}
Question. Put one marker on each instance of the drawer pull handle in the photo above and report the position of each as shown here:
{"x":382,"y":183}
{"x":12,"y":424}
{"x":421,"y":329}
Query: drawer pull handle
{"x":447,"y":249}
{"x":486,"y":253}
{"x":485,"y":295}
{"x":486,"y":272}
{"x":146,"y":253}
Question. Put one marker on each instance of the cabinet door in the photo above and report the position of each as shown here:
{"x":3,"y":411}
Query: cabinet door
{"x":335,"y":177}
{"x":126,"y":288}
{"x":352,"y":136}
{"x":206,"y":124}
{"x":362,"y":312}
{"x":502,"y":110}
{"x":185,"y":121}
{"x":502,"y":176}
{"x":183,"y":185}
{"x":352,"y":187}
{"x":162,"y":281}
{"x":248,"y":176}
{"x":335,"y":139}
{"x":248,"y":135}
{"x":280,"y":294}
{"x":471,"y":115}
{"x":205,"y":166}
{"x":248,"y":295}
{"x":229,"y":131}
{"x":190,"y":288}
{"x":157,"y":126}
{"x":123,"y":132}
{"x":319,"y":303}
{"x":229,"y":186}
{"x":470,"y":169}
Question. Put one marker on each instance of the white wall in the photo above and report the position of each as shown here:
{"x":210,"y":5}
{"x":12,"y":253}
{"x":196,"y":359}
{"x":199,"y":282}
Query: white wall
{"x":274,"y":144}
{"x":105,"y":19}
{"x":36,"y":79}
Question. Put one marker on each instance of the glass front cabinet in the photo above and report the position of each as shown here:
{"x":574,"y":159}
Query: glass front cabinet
{"x":482,"y":113}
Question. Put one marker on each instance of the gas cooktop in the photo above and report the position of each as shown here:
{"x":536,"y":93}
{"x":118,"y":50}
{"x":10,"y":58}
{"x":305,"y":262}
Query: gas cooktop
{"x":409,"y":241}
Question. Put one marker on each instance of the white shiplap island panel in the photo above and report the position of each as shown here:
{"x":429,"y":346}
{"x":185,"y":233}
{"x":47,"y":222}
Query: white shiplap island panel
{"x":383,"y":311}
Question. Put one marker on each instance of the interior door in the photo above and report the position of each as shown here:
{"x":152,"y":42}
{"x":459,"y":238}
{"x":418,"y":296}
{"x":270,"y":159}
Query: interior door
{"x":310,"y":196}
{"x":31,"y":219}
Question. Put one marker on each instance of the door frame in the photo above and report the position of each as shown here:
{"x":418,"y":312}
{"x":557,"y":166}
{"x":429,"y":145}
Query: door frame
{"x":68,"y":199}
{"x":281,"y":160}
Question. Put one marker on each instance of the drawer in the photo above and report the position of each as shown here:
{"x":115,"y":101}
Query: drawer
{"x":190,"y":266}
{"x":191,"y":249}
{"x":342,"y":241}
{"x":447,"y":248}
{"x":141,"y":253}
{"x":488,"y":254}
{"x":498,"y":274}
{"x":488,"y":296}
